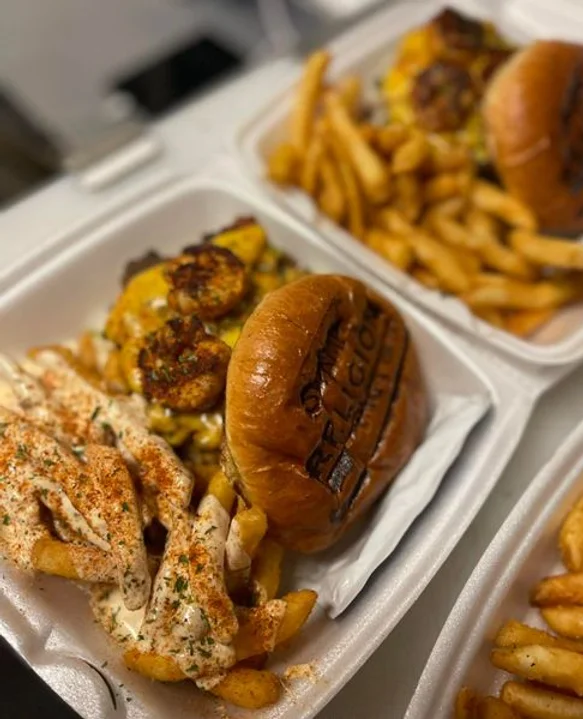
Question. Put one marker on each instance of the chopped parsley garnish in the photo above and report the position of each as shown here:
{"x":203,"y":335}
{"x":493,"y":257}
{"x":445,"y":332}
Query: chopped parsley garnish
{"x":180,"y":585}
{"x":205,"y":653}
{"x":193,"y":668}
{"x":125,"y":506}
{"x":22,"y":451}
{"x":49,"y":463}
{"x":199,"y":568}
{"x":183,"y":559}
{"x":95,"y":413}
{"x":210,"y":529}
{"x":6,"y":519}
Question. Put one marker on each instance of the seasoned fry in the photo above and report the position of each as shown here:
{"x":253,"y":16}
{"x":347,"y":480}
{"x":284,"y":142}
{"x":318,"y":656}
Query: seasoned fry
{"x":445,"y":157}
{"x":567,"y":621}
{"x":441,"y":261}
{"x":466,"y":704}
{"x":548,"y":251}
{"x":331,"y":198}
{"x":266,"y":570}
{"x":446,"y":185}
{"x":373,"y":174}
{"x":257,"y":634}
{"x":408,"y":197}
{"x":390,"y":137}
{"x":452,"y":208}
{"x":549,"y":665}
{"x":394,"y":248}
{"x":455,"y":234}
{"x":489,"y":198}
{"x":73,"y":560}
{"x":467,"y":259}
{"x":516,"y":634}
{"x":252,"y":525}
{"x":310,"y":170}
{"x":354,"y":200}
{"x":561,"y":589}
{"x":491,"y":315}
{"x":536,"y":702}
{"x":282,"y":165}
{"x":222,"y":489}
{"x":571,"y":538}
{"x":494,"y":708}
{"x":154,"y":666}
{"x":410,"y":154}
{"x":426,"y":278}
{"x":516,"y":295}
{"x":349,"y":89}
{"x":303,"y":113}
{"x":249,"y":688}
{"x":527,"y":322}
{"x":394,"y":221}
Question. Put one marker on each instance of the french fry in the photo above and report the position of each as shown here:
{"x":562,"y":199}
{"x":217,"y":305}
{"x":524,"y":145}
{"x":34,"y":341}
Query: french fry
{"x":349,"y":89}
{"x":516,"y":634}
{"x":73,"y":560}
{"x":258,"y":633}
{"x":306,"y":99}
{"x":549,"y":665}
{"x":489,"y":198}
{"x":536,"y":702}
{"x":467,"y":259}
{"x":494,"y":708}
{"x":282,"y":164}
{"x":515,"y":295}
{"x":252,"y":525}
{"x":562,"y":589}
{"x":354,"y":200}
{"x":451,"y":208}
{"x":425,"y":277}
{"x":492,"y":316}
{"x":453,"y":233}
{"x":548,"y":251}
{"x":310,"y":170}
{"x":154,"y":666}
{"x":411,"y":154}
{"x":571,"y":538}
{"x":524,"y":323}
{"x":394,"y":248}
{"x":249,"y":688}
{"x":266,"y":570}
{"x":331,"y":198}
{"x":368,"y":133}
{"x":441,"y":261}
{"x":566,"y":621}
{"x":466,"y":704}
{"x":373,"y":174}
{"x":222,"y":489}
{"x":394,"y":221}
{"x":390,"y":137}
{"x":445,"y":157}
{"x":447,"y":185}
{"x":408,"y":197}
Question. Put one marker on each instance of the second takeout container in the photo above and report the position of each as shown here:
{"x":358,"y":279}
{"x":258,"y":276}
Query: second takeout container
{"x":524,"y":551}
{"x":68,"y":286}
{"x":368,"y":51}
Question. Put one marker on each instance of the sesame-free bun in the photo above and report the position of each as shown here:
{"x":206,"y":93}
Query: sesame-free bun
{"x":533,"y":112}
{"x":325,"y":404}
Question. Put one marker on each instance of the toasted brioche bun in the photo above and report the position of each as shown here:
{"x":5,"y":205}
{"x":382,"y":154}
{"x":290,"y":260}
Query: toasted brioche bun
{"x":324,"y":406}
{"x":533,"y":111}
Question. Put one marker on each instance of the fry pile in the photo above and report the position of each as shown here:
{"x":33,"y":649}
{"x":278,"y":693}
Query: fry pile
{"x":548,"y":666}
{"x":416,"y":199}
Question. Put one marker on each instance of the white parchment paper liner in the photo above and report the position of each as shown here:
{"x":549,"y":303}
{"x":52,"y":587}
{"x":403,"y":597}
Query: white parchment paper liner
{"x":340,"y":574}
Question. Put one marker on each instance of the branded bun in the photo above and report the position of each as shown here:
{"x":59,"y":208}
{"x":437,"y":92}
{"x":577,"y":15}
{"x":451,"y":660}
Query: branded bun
{"x":325,"y":404}
{"x":533,"y":112}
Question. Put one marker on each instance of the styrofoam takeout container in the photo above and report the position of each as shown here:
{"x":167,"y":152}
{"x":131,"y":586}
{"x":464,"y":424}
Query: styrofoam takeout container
{"x":63,"y":291}
{"x":523,"y":552}
{"x":368,"y":51}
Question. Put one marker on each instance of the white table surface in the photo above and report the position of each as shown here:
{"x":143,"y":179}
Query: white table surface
{"x":383,"y":687}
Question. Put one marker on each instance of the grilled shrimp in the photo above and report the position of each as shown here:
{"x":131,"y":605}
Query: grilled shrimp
{"x":182,"y":366}
{"x":208,"y":282}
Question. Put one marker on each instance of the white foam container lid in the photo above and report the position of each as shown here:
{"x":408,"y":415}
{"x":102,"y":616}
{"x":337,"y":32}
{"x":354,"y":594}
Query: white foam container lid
{"x":67,"y":287}
{"x":522,"y":552}
{"x":368,"y":51}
